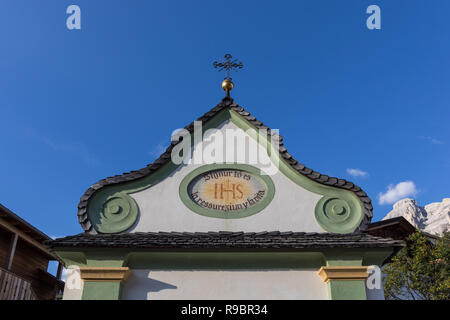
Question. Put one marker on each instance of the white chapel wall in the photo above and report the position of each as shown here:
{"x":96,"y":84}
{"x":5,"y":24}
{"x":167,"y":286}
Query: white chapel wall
{"x":224,"y":284}
{"x":147,"y":284}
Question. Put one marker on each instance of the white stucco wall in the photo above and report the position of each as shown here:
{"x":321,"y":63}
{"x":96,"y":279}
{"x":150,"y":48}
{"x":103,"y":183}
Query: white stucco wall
{"x":225,"y":284}
{"x":219,"y":284}
{"x":73,"y":288}
{"x":161,"y":208}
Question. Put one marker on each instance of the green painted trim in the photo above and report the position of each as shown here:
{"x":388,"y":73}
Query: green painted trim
{"x":137,"y":258}
{"x":377,"y":257}
{"x":357,"y":256}
{"x":90,"y":257}
{"x":340,"y":257}
{"x":196,"y":259}
{"x":188,"y":202}
{"x":347,"y":290}
{"x":110,"y":258}
{"x":105,"y":290}
{"x":326,"y":212}
{"x":225,"y":260}
{"x":71,"y":258}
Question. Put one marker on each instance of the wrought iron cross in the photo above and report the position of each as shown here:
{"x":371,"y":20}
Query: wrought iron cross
{"x":228,"y":64}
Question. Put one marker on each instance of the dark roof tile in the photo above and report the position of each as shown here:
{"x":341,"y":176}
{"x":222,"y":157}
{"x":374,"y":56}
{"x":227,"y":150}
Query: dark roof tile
{"x":224,"y":239}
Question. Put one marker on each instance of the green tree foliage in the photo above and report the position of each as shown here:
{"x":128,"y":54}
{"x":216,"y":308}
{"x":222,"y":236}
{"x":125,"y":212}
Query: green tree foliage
{"x":421,"y":270}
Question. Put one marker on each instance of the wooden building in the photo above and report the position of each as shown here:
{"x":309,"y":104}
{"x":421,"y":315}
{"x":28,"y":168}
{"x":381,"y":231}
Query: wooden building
{"x":24,"y":261}
{"x":396,"y":228}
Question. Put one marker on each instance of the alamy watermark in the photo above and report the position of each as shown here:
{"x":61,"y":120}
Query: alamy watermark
{"x":374,"y":20}
{"x":73,"y":22}
{"x":257,"y":147}
{"x":374,"y":280}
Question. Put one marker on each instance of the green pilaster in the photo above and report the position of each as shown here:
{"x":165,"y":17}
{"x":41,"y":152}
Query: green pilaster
{"x":105,"y":288}
{"x":347,"y":290}
{"x":102,"y":290}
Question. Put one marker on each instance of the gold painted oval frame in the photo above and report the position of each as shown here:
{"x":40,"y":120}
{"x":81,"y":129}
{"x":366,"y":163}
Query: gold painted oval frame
{"x":238,"y":214}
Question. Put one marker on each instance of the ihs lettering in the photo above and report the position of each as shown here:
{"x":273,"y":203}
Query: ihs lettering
{"x":220,"y":189}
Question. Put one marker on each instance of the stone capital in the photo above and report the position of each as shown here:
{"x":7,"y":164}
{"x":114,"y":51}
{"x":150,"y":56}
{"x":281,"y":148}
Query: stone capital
{"x":343,"y":273}
{"x":105,"y":274}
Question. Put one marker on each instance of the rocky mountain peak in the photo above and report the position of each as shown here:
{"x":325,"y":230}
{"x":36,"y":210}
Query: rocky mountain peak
{"x":433,"y":218}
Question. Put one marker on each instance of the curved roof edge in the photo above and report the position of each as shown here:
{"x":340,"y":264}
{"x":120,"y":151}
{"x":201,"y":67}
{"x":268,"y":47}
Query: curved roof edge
{"x":226,"y":102}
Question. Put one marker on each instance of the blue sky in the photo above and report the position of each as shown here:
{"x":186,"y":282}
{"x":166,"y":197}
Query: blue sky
{"x":77,"y":106}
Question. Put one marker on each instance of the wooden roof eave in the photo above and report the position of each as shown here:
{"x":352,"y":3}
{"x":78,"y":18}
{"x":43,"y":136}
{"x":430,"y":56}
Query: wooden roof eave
{"x":10,"y":227}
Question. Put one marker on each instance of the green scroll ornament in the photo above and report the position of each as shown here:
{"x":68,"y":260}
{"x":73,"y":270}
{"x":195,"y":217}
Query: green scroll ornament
{"x":115,"y":213}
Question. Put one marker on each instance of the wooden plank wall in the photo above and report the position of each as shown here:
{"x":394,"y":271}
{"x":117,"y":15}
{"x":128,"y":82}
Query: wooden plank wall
{"x":26,"y":262}
{"x":27,"y":259}
{"x":13,"y":287}
{"x":5,"y":241}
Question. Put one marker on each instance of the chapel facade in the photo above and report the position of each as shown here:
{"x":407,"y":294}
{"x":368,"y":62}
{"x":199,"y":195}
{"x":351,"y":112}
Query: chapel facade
{"x":207,"y":221}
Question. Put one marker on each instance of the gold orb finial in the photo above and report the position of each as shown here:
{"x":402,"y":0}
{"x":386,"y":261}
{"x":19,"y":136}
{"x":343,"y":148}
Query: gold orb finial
{"x":228,"y":65}
{"x":227,"y":85}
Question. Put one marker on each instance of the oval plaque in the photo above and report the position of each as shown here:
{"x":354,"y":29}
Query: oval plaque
{"x":226,"y":191}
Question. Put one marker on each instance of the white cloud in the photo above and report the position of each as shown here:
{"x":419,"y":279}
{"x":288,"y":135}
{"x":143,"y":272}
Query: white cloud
{"x":432,"y":140}
{"x":355,"y":173}
{"x":55,"y":237}
{"x":399,"y":191}
{"x":64,"y":274}
{"x":158,"y":150}
{"x":73,"y":148}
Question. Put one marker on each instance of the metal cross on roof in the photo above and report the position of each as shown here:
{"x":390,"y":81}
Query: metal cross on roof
{"x":228,"y":64}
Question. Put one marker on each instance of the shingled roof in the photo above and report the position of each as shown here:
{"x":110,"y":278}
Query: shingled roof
{"x":226,"y":102}
{"x":225,"y":240}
